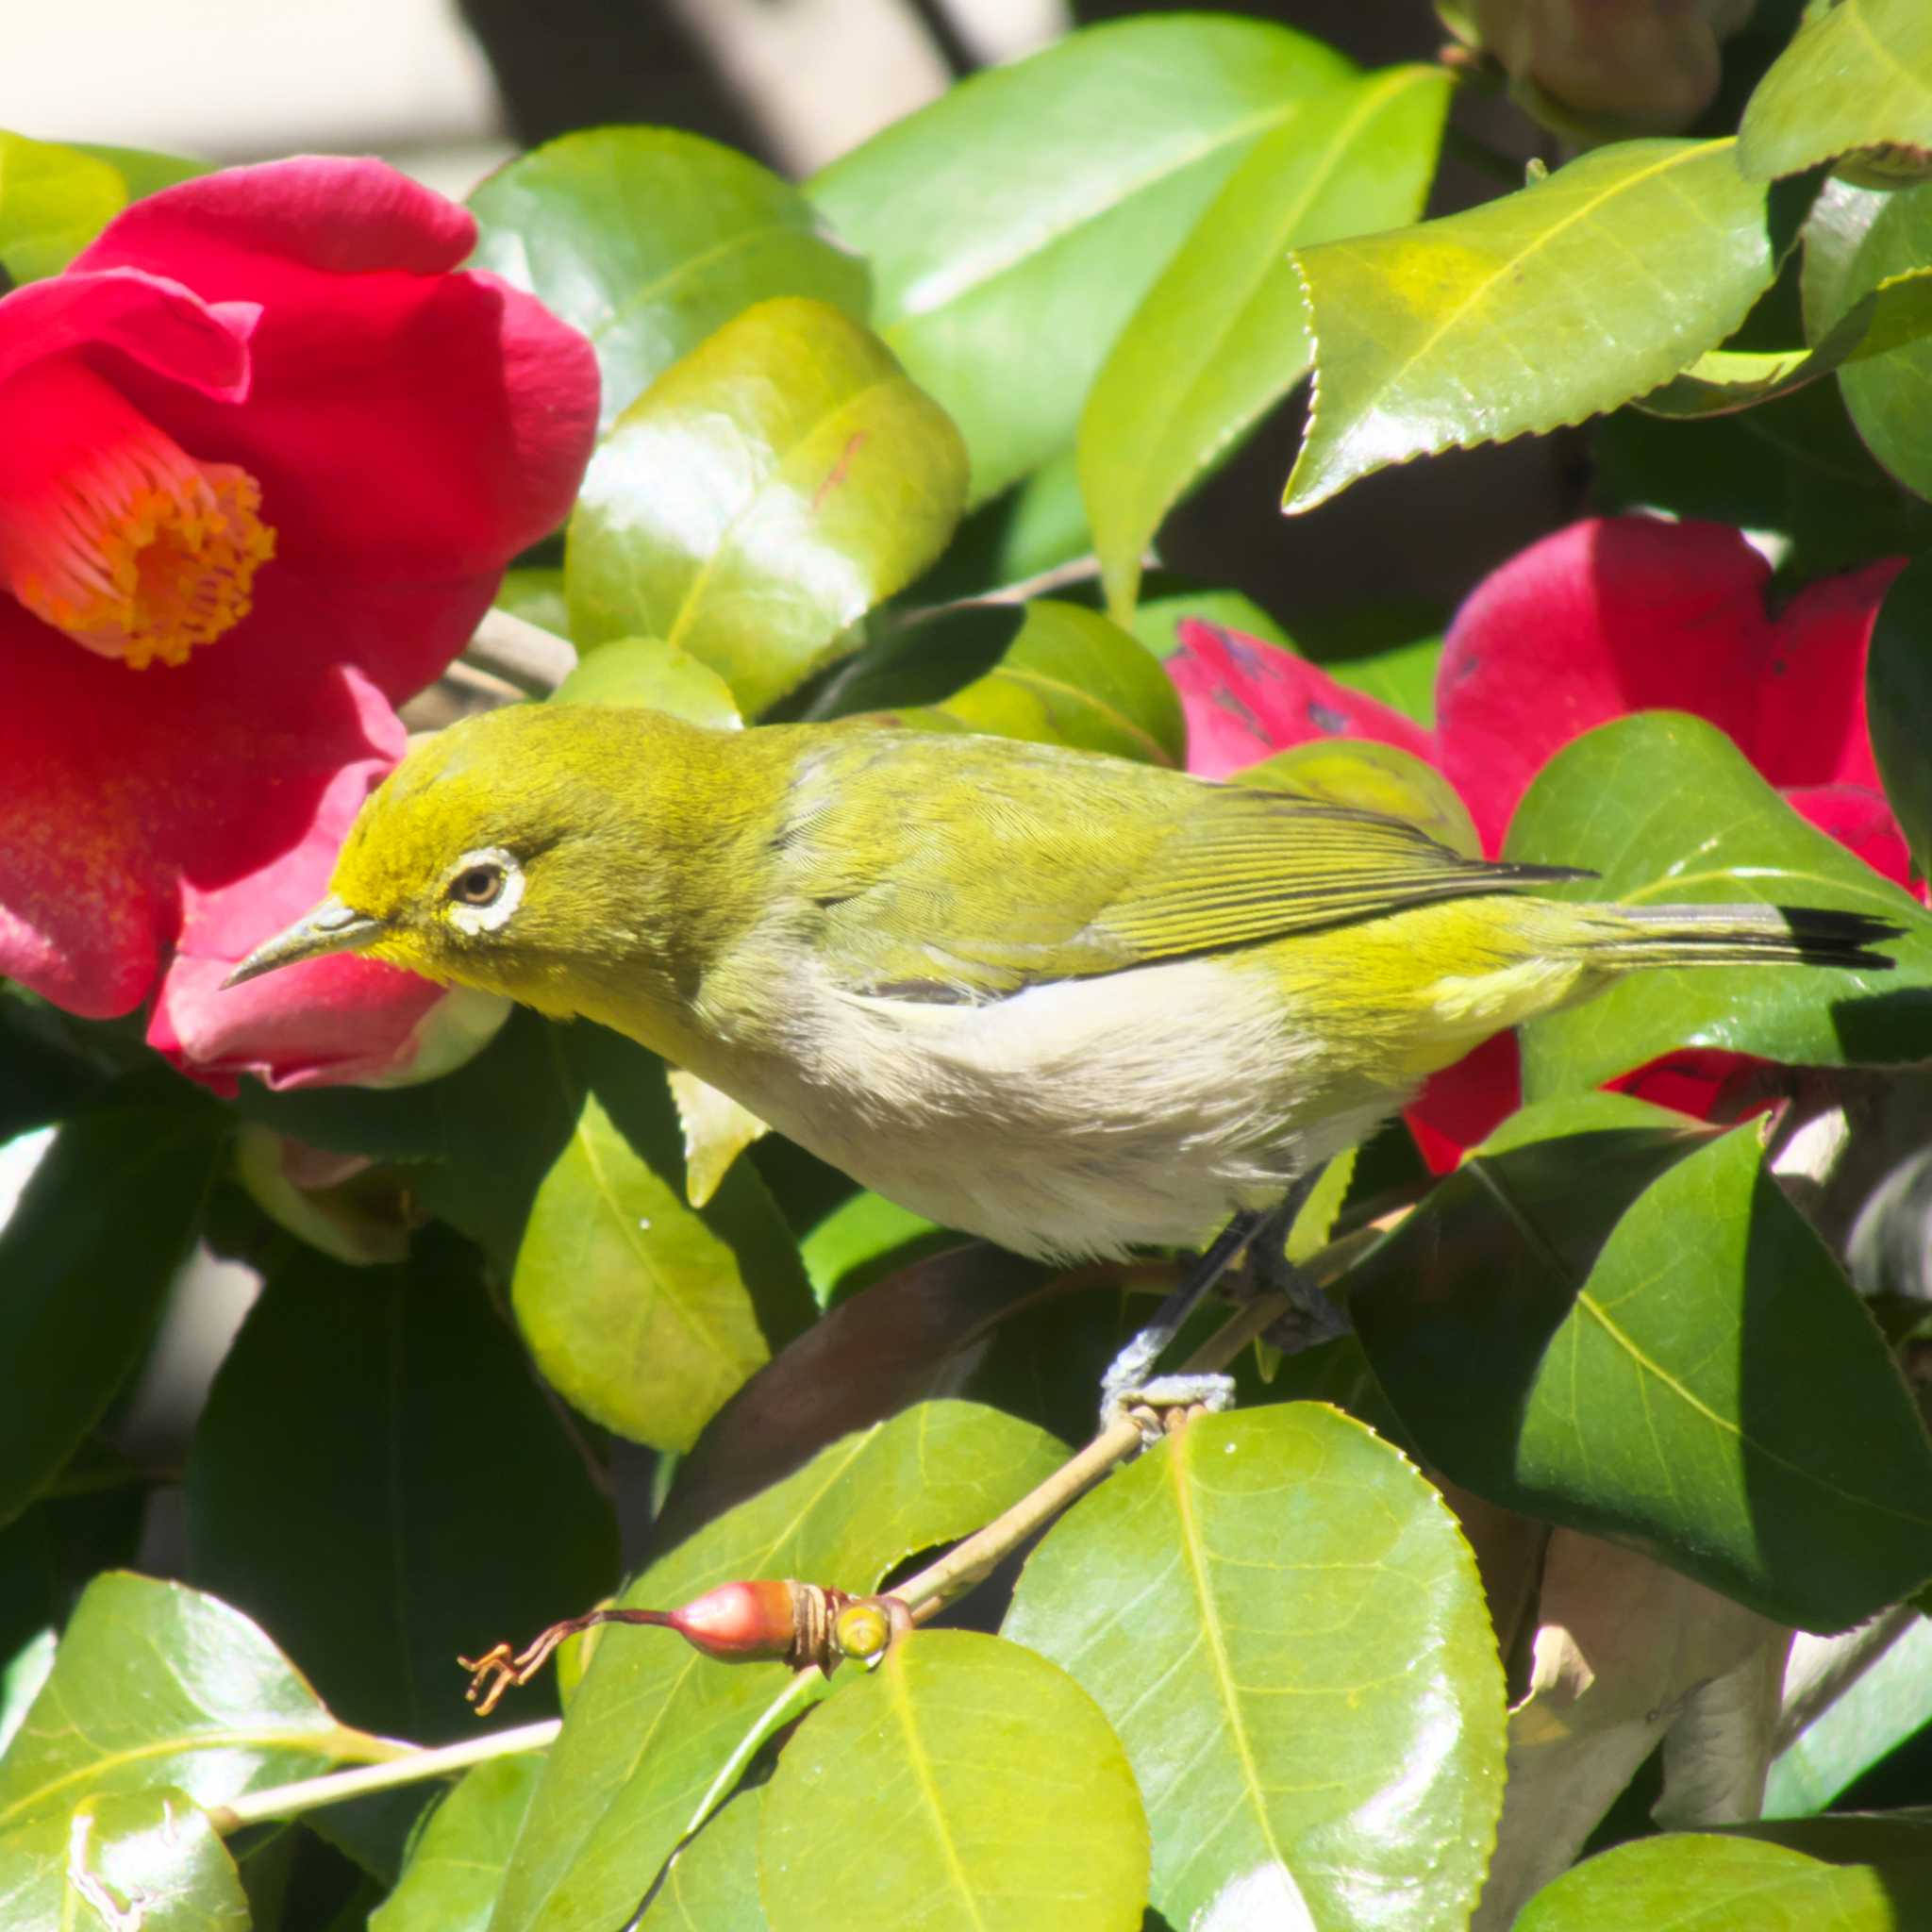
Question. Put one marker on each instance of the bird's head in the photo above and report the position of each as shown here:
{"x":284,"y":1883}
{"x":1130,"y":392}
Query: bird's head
{"x":510,"y":852}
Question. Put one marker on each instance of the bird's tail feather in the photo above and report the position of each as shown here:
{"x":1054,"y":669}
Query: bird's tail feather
{"x":1741,"y":936}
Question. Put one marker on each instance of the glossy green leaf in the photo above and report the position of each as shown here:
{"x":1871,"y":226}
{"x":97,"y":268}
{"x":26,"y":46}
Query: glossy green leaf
{"x":154,"y":1684}
{"x":760,"y":497}
{"x":371,"y":1434}
{"x":1501,"y":321}
{"x":1378,"y":778}
{"x":1280,"y":1618}
{"x":1014,"y":225}
{"x":1873,"y":240}
{"x":1858,"y":76}
{"x":987,"y":1789}
{"x":1666,"y":809}
{"x":716,"y":1131}
{"x":861,"y":1239}
{"x":534,"y":593}
{"x":53,"y":202}
{"x":643,"y":671}
{"x":143,"y":169}
{"x":654,"y":1722}
{"x":648,"y":238}
{"x":1877,"y":1712}
{"x":1898,"y":704}
{"x":714,"y":1885}
{"x":1221,"y":336}
{"x":643,"y":1311}
{"x":1701,"y":1882}
{"x":122,"y":1861}
{"x":456,"y":1866}
{"x":1891,"y":316}
{"x":87,"y":1257}
{"x":1068,"y":676}
{"x":1634,"y":1333}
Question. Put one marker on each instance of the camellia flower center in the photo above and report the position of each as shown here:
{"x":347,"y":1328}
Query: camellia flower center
{"x":112,"y":533}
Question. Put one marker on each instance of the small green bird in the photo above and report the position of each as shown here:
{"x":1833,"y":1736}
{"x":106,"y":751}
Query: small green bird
{"x":1072,"y":1003}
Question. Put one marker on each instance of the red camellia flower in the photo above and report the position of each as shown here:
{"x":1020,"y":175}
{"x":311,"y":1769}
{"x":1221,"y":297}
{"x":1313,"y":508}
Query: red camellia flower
{"x":1604,"y":618}
{"x":266,"y":452}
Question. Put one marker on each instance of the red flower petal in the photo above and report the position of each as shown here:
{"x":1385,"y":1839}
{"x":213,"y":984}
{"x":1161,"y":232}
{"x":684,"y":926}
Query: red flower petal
{"x":1860,"y":820}
{"x":1244,"y":699}
{"x":1465,"y":1103}
{"x":1627,"y":614}
{"x":154,"y":322}
{"x":407,"y":424}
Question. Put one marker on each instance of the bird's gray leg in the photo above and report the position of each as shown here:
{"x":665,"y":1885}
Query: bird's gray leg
{"x":1314,"y":1317}
{"x":1126,"y":1384}
{"x":1310,"y":1318}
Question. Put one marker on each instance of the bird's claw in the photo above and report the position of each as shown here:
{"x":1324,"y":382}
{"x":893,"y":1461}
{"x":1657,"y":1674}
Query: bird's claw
{"x":1165,"y":1405}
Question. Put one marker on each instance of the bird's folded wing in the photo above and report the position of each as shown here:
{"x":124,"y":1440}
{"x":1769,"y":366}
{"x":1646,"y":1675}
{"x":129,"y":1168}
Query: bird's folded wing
{"x":1122,"y":877}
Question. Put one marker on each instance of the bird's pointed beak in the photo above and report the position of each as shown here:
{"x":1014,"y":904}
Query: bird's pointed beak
{"x":330,"y":927}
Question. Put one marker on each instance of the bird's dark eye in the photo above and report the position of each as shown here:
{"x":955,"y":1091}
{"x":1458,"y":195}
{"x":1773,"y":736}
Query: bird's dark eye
{"x":478,"y":885}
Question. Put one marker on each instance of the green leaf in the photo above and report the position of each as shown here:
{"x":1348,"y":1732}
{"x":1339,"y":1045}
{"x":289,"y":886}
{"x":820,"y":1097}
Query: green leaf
{"x":535,"y":593}
{"x":371,"y":1434}
{"x":1501,"y":321}
{"x":1888,"y":1702}
{"x":1220,"y":338}
{"x":87,"y":1258}
{"x":649,"y":240}
{"x":1879,"y":243}
{"x":143,"y":169}
{"x":643,"y":1311}
{"x":1012,"y":1803}
{"x":653,"y":1722}
{"x":125,"y":1861}
{"x":1898,"y":704}
{"x":1669,"y":812}
{"x":862,"y":1239}
{"x":1857,"y":77}
{"x":1068,"y":676}
{"x":642,"y":671}
{"x":1701,"y":1882}
{"x":53,"y":202}
{"x":1281,"y":1620}
{"x":714,"y":1885}
{"x":455,"y":1866}
{"x":760,"y":497}
{"x":1015,"y":223}
{"x":1378,"y":778}
{"x":1637,"y":1335}
{"x":1897,"y":313}
{"x":154,"y":1684}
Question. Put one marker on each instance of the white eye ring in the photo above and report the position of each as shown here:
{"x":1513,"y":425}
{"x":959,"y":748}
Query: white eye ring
{"x":482,"y":890}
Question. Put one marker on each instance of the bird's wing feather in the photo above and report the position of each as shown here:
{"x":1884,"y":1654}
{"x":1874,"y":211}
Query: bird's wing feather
{"x":930,"y":870}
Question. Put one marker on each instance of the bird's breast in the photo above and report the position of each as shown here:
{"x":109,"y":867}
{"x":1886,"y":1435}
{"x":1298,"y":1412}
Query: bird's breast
{"x":1082,"y":1118}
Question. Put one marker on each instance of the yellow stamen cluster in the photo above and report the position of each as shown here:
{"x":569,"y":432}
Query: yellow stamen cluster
{"x":121,"y":539}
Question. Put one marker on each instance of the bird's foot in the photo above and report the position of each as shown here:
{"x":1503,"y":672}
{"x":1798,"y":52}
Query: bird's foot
{"x":1166,"y":1405}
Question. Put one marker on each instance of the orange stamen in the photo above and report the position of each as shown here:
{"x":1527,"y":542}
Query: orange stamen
{"x":109,"y":531}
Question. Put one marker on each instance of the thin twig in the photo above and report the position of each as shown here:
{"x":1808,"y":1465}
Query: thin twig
{"x":289,"y":1801}
{"x":522,"y":654}
{"x":967,"y":1563}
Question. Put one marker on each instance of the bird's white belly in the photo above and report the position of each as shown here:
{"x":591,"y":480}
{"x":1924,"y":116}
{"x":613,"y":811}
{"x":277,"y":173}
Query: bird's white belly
{"x":1079,"y":1119}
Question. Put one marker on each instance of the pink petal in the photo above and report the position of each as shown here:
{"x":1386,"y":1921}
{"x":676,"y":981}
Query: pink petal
{"x":345,"y":215}
{"x":1627,"y":614}
{"x":155,"y":323}
{"x":1244,"y":699}
{"x":326,"y":1023}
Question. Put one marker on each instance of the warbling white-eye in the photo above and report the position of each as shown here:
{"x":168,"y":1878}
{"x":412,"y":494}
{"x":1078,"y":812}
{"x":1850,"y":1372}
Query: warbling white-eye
{"x":1069,"y":1003}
